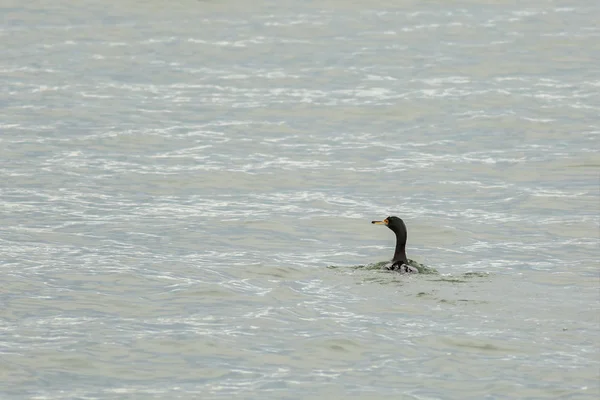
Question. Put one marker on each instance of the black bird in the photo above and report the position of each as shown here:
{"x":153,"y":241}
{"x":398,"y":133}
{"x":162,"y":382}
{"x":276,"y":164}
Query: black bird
{"x":399,"y":263}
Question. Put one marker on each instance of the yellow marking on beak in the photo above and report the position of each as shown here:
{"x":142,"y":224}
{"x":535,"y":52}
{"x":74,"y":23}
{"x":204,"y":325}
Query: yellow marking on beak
{"x":384,"y":222}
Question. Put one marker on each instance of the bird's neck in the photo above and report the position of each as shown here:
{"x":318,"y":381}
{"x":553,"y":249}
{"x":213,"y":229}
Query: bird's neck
{"x":400,"y":252}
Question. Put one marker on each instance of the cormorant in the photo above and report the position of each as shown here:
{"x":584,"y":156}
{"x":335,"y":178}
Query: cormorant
{"x":399,"y":263}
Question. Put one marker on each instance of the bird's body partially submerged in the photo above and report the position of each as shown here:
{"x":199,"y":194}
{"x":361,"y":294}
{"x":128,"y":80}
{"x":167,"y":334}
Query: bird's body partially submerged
{"x":399,"y":262}
{"x":402,"y":268}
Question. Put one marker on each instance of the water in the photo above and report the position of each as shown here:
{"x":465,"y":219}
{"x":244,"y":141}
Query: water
{"x":187,"y":188}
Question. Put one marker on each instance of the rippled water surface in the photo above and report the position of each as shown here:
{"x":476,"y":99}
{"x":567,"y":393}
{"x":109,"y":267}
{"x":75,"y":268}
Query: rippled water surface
{"x":186,"y":190}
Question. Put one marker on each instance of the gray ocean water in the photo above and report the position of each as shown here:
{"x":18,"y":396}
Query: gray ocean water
{"x":186,"y":190}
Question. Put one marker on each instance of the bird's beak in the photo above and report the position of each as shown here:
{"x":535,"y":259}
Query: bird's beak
{"x":384,"y":222}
